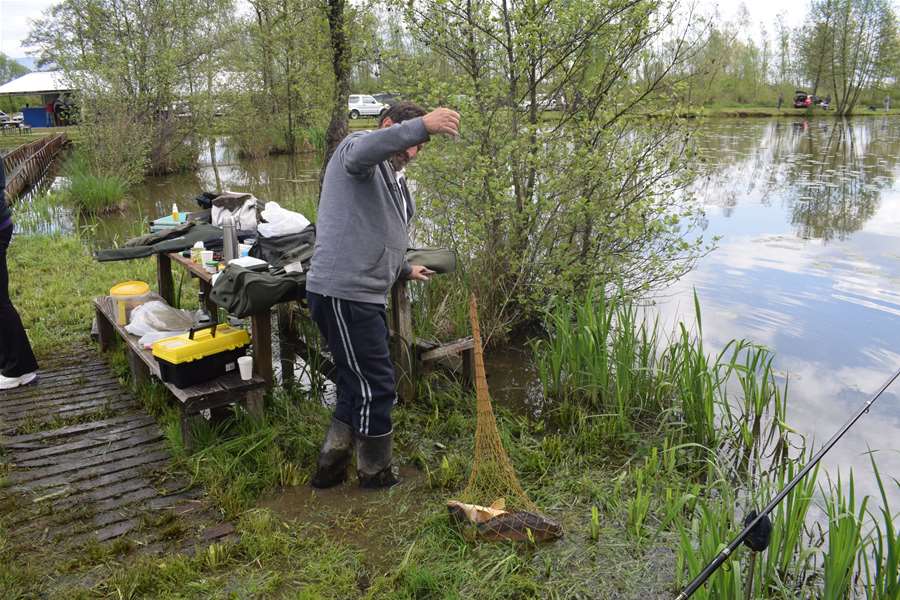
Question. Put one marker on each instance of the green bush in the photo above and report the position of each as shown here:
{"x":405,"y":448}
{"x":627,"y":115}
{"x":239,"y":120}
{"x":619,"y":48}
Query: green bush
{"x":92,"y":192}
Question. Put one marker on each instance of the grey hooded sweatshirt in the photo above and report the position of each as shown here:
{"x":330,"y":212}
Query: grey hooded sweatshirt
{"x":361,"y":236}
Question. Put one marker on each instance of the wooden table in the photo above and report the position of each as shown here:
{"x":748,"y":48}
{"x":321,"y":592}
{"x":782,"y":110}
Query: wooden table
{"x":260,"y":323}
{"x":222,"y":391}
{"x":410,"y":358}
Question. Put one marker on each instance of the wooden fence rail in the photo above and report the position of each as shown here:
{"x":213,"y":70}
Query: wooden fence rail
{"x":29,"y":162}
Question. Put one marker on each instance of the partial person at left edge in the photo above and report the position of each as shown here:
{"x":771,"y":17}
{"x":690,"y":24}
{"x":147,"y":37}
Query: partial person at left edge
{"x":17,"y":363}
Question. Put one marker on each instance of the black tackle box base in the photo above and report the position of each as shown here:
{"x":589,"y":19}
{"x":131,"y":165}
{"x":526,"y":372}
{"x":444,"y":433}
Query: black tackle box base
{"x":199,"y":371}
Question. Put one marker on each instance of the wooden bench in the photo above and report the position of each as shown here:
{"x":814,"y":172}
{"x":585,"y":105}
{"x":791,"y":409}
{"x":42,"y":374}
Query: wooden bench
{"x":220,"y":392}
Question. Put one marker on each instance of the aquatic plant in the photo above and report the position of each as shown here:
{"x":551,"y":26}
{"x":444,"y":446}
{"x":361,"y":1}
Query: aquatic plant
{"x":89,"y":191}
{"x":845,"y":537}
{"x":881,"y":560}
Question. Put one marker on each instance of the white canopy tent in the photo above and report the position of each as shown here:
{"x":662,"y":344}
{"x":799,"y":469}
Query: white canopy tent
{"x":37,"y":83}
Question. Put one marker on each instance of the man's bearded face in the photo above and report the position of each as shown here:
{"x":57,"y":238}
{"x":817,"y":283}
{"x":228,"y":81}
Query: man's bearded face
{"x":401,"y":159}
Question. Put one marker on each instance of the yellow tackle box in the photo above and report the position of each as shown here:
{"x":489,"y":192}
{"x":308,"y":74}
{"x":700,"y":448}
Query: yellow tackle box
{"x":200,"y":355}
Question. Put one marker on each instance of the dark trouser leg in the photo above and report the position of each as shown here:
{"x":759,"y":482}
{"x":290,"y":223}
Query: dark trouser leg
{"x":16,"y":356}
{"x":357,"y":336}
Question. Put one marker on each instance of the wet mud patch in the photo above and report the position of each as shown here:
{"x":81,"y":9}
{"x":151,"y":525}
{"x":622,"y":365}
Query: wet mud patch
{"x":378,"y":523}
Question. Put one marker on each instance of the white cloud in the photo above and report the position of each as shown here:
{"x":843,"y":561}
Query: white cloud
{"x":15,"y":23}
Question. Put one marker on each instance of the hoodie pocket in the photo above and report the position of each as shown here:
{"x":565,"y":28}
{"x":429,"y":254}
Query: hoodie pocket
{"x":387,"y":267}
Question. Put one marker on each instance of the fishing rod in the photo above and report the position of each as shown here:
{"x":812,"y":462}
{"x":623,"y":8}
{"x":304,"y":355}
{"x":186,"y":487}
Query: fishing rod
{"x":757,"y":527}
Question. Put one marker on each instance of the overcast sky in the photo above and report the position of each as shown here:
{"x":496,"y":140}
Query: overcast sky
{"x":16,"y":14}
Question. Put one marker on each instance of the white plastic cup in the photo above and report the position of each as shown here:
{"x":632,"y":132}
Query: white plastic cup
{"x":245,"y":364}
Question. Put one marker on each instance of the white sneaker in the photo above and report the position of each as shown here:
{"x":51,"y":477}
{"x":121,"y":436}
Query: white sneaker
{"x":8,"y":383}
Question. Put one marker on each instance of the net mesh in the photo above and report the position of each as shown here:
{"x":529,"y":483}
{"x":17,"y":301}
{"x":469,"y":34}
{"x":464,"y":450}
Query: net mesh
{"x":493,"y":500}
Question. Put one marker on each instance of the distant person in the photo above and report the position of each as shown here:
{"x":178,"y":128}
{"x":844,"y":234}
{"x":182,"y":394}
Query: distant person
{"x":780,"y":99}
{"x":17,"y":363}
{"x":57,"y":111}
{"x":887,"y":103}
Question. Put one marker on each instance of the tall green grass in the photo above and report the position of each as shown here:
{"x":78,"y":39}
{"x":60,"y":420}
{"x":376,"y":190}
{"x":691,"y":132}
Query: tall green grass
{"x":92,"y":192}
{"x":602,"y":358}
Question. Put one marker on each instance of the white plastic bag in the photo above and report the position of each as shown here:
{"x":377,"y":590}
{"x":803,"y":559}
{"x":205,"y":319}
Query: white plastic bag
{"x":280,"y":221}
{"x":244,"y":216}
{"x":147,"y":340}
{"x":157,"y":316}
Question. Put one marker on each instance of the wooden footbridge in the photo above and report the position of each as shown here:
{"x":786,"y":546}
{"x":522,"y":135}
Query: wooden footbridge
{"x":83,"y":462}
{"x":26,"y":165}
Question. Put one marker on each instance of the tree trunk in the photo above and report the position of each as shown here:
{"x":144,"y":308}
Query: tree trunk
{"x":340,"y":64}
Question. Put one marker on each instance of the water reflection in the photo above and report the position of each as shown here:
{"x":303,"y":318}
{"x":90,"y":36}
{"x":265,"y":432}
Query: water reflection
{"x":829,"y":175}
{"x":809,"y":214}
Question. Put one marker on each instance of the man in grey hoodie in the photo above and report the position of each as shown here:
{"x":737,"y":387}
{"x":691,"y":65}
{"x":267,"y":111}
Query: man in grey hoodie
{"x":361,"y":240}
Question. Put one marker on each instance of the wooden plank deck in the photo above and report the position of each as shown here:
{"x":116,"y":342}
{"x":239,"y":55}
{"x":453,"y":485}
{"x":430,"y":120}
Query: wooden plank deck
{"x":83,"y":462}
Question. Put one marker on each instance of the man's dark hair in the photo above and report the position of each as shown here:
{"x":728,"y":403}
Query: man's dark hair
{"x":401,"y":112}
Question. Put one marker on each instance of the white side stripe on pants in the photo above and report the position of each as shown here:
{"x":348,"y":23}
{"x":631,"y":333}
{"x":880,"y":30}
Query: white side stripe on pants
{"x":365,"y":389}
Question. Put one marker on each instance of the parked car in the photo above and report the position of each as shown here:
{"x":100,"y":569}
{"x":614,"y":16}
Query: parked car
{"x":4,"y":118}
{"x":387,"y":98}
{"x":802,"y":99}
{"x":361,"y":105}
{"x":544,"y":102}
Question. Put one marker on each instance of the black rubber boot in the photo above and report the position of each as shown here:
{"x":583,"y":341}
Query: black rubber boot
{"x":373,"y":461}
{"x":334,"y":458}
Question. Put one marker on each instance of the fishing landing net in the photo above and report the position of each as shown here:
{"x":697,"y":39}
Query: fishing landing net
{"x":493,"y":505}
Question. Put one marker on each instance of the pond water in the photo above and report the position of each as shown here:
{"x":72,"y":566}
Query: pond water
{"x":808,"y":264}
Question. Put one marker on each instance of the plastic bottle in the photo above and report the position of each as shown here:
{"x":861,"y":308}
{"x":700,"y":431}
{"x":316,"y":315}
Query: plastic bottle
{"x":175,"y":215}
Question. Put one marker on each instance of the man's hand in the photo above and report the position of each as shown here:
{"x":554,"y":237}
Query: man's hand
{"x":442,"y":120}
{"x":420,"y":273}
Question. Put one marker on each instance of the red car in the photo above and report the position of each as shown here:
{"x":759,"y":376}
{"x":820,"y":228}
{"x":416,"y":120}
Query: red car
{"x":802,"y":99}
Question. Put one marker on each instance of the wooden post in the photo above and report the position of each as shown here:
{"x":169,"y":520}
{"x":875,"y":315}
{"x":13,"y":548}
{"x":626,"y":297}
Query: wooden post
{"x":140,"y":373}
{"x":254,"y":403}
{"x":106,"y":335}
{"x":404,"y":357}
{"x":211,"y":307}
{"x":261,"y":331}
{"x":468,"y":368}
{"x":286,"y":350}
{"x":164,"y":278}
{"x":186,"y":437}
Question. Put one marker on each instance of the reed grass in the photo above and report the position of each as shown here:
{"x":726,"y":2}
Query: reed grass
{"x":845,"y":537}
{"x":91,"y":192}
{"x":882,"y":558}
{"x":726,"y":449}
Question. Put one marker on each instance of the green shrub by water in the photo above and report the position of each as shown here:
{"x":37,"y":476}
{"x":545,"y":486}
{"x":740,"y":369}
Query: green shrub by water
{"x":89,"y":191}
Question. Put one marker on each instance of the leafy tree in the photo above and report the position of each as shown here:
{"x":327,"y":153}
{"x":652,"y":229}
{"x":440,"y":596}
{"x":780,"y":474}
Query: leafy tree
{"x":542,"y":205}
{"x":851,"y":45}
{"x":136,"y":64}
{"x":10,"y":69}
{"x":340,"y":65}
{"x":280,"y":87}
